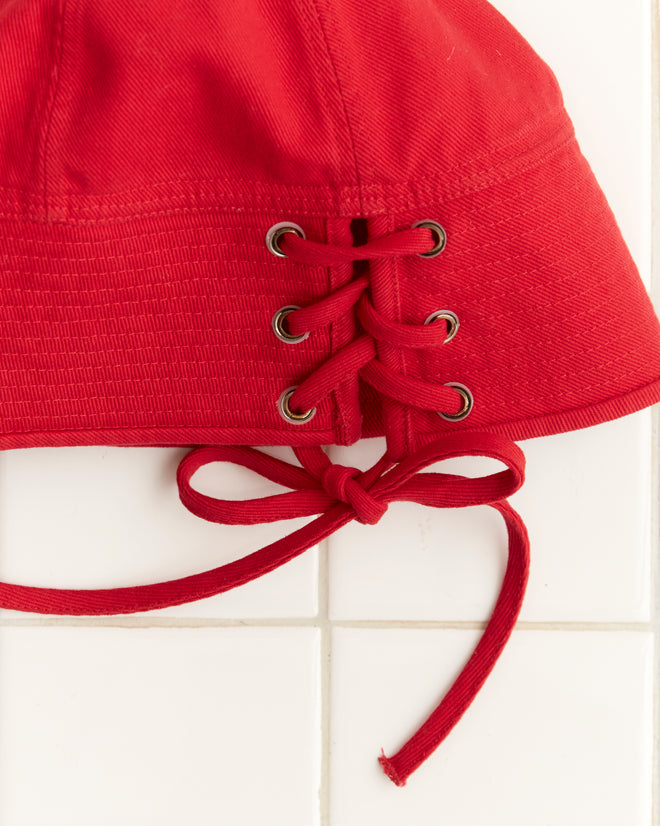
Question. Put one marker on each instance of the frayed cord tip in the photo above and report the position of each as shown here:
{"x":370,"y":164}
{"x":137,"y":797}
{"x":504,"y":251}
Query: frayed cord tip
{"x":389,"y":769}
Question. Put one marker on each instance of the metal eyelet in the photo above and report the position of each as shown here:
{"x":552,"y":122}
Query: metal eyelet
{"x":468,"y":403}
{"x":276,"y":231}
{"x":287,"y":414}
{"x":277,"y":323}
{"x":452,"y":322}
{"x":440,"y":235}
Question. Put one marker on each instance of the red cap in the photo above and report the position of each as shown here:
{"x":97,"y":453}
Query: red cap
{"x":449,"y":273}
{"x":144,"y":157}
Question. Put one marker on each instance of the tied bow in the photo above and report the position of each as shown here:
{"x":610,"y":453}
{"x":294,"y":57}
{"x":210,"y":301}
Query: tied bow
{"x":320,"y":486}
{"x":341,"y":494}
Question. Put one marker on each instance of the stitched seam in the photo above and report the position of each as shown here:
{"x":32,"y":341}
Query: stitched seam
{"x":342,"y":99}
{"x":151,"y":428}
{"x":310,"y":205}
{"x":213,"y":410}
{"x":341,"y":397}
{"x":423,"y":189}
{"x":50,"y":107}
{"x":406,"y":418}
{"x":430,"y":179}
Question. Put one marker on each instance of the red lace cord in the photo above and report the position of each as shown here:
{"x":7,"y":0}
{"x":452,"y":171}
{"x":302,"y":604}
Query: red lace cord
{"x":360,"y":356}
{"x":343,"y":493}
{"x":340,"y":493}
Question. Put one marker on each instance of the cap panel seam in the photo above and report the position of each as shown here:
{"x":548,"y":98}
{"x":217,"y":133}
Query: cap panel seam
{"x":315,"y":8}
{"x":367,"y":200}
{"x":548,"y":138}
{"x":54,"y":84}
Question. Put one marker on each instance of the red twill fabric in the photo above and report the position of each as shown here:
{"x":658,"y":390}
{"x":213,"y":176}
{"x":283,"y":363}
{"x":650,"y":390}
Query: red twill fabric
{"x":295,"y":222}
{"x":145,"y":150}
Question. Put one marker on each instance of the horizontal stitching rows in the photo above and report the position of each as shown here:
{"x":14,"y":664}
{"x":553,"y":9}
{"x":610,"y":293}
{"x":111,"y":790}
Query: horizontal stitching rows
{"x":130,"y":254}
{"x":146,"y":397}
{"x":240,"y":413}
{"x":134,"y":237}
{"x":514,"y":216}
{"x":22,"y":305}
{"x":482,"y":182}
{"x":478,"y":181}
{"x":159,"y":266}
{"x":127,"y":351}
{"x":142,"y":215}
{"x":515,"y":197}
{"x":643,"y":366}
{"x":103,"y":365}
{"x":517,"y":276}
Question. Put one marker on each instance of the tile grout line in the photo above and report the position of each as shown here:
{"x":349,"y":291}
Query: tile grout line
{"x":320,"y":621}
{"x":655,"y":452}
{"x":325,"y":626}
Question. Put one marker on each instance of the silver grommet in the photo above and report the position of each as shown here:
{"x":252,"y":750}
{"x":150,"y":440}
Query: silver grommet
{"x":440,"y":234}
{"x":287,"y":414}
{"x":276,"y":231}
{"x":277,"y":323}
{"x":468,"y":403}
{"x":452,"y":322}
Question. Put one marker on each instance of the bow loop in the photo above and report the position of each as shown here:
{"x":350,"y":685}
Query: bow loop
{"x":319,"y":484}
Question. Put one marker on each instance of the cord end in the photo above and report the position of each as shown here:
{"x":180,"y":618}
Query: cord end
{"x":390,"y":771}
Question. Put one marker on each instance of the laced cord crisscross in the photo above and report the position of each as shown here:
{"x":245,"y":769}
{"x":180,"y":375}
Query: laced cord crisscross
{"x":340,"y":494}
{"x":360,"y":355}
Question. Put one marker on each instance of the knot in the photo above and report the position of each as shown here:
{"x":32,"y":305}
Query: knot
{"x":339,"y":482}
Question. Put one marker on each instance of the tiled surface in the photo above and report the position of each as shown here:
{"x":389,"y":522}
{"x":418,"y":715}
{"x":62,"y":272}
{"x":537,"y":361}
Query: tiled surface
{"x":272,"y":705}
{"x":560,"y":734}
{"x":159,"y":726}
{"x":91,"y":517}
{"x":586,"y":506}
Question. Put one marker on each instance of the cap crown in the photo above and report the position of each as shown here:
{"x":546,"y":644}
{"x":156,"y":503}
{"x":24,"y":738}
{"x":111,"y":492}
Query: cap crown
{"x":239,"y":103}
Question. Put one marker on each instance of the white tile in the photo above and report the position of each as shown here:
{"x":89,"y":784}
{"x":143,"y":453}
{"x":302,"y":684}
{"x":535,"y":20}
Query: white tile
{"x":110,"y":726}
{"x":102,"y":517}
{"x":586,"y":503}
{"x":560,"y":735}
{"x":600,"y":51}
